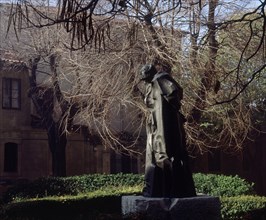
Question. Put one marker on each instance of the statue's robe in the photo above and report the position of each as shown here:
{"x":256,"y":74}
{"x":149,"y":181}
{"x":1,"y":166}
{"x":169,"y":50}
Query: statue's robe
{"x":167,"y":172}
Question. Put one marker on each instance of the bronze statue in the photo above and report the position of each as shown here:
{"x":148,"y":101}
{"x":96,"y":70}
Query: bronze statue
{"x":167,"y":172}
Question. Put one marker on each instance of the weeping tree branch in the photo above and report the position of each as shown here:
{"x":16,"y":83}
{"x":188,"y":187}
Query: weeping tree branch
{"x":79,"y":18}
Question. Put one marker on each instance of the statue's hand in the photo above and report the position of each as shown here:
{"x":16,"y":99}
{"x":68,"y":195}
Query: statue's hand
{"x":167,"y":164}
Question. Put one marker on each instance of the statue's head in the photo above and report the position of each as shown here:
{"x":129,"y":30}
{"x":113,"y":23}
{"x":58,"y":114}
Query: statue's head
{"x":147,"y":72}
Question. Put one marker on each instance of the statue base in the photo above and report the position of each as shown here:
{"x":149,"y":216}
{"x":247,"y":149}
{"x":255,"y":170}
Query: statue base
{"x":201,"y":207}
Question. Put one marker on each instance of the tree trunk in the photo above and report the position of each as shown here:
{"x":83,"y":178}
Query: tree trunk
{"x":43,"y":100}
{"x":210,"y":72}
{"x":57,"y":143}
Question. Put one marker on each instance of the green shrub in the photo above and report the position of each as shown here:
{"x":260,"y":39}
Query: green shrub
{"x":211,"y":184}
{"x":243,"y":207}
{"x":57,"y":186}
{"x":221,"y":185}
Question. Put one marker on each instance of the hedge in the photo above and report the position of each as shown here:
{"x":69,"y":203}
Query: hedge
{"x":58,"y":186}
{"x":73,"y":194}
{"x":222,"y":185}
{"x":232,"y":208}
{"x":243,"y":207}
{"x":210,"y":184}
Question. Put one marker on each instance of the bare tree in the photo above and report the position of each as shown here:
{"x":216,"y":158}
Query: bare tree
{"x":191,"y":36}
{"x":52,"y":108}
{"x":199,"y":65}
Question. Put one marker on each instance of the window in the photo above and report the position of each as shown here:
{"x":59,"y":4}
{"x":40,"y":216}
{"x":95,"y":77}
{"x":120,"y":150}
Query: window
{"x":11,"y":93}
{"x":11,"y":157}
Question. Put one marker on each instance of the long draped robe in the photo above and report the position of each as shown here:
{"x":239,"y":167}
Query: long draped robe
{"x":167,"y":172}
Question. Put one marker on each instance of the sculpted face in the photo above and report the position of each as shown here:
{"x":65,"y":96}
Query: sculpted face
{"x":147,"y":72}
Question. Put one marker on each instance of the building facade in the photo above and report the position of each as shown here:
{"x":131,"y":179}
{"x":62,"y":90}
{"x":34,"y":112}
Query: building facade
{"x":24,"y":150}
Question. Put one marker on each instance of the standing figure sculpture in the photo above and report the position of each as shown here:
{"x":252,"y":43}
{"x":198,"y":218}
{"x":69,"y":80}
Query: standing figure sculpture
{"x":167,"y":172}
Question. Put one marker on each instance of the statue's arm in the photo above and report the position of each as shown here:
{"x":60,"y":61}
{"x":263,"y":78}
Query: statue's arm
{"x":172,"y":92}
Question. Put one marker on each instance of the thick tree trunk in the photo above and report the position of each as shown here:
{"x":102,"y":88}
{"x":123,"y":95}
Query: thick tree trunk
{"x":57,"y":143}
{"x":43,"y":100}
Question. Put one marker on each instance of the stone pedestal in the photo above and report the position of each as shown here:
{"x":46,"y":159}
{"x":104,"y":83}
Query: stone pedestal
{"x":193,"y":208}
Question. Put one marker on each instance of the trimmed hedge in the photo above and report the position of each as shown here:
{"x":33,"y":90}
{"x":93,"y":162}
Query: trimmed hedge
{"x":210,"y":184}
{"x":243,"y":207}
{"x":222,"y":185}
{"x":58,"y":186}
{"x":108,"y":207}
{"x":96,"y":192}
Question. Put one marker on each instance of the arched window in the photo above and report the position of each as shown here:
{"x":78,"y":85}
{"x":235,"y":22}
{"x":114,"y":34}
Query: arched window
{"x":11,"y":157}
